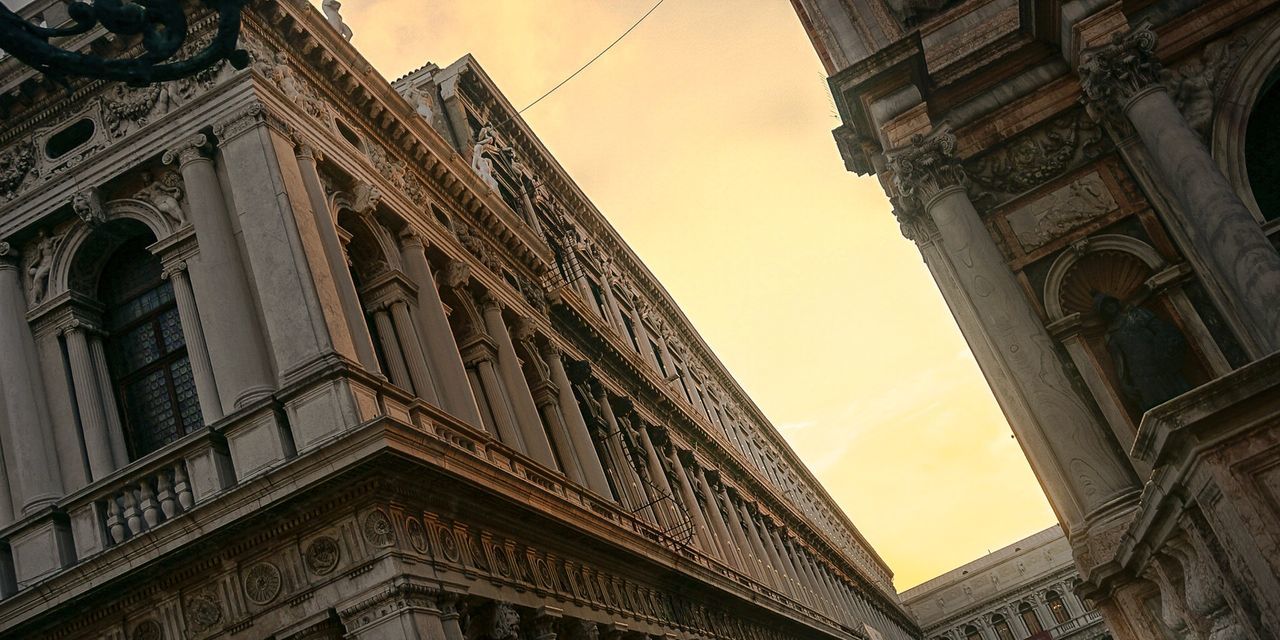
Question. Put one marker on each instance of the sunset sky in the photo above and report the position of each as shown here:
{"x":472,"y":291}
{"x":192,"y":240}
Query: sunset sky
{"x":704,"y":137}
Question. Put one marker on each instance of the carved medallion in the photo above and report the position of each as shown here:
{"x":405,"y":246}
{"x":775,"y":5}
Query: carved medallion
{"x":378,"y":529}
{"x":262,"y":583}
{"x":147,"y":630}
{"x":449,"y":544}
{"x":204,"y":610}
{"x":322,"y":555}
{"x":417,"y":535}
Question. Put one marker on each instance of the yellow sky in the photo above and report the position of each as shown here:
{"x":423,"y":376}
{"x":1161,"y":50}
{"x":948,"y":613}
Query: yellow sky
{"x":704,"y":137}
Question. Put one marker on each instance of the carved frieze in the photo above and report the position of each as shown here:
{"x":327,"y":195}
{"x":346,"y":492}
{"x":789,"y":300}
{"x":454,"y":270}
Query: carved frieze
{"x":262,"y":583}
{"x":1051,"y":216}
{"x":1034,"y":158}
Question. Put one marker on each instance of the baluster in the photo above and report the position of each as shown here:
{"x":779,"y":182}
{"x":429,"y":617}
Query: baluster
{"x":168,"y":501}
{"x":182,"y":487}
{"x":150,"y":509}
{"x":131,"y":512}
{"x":115,"y":524}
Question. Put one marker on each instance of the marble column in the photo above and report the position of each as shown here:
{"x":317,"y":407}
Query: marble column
{"x":742,"y":536}
{"x":197,"y":349}
{"x":299,"y":302}
{"x":1124,"y":78}
{"x":788,"y":566}
{"x":583,"y":445}
{"x":482,"y":359}
{"x":307,"y":157}
{"x":546,"y":397}
{"x":436,"y":336}
{"x":27,"y":435}
{"x":1080,"y":465}
{"x":115,"y":429}
{"x":810,"y":570}
{"x":771,"y":552}
{"x":611,"y":302}
{"x":806,"y":581}
{"x":705,"y":539}
{"x":448,"y":604}
{"x":93,"y":419}
{"x":424,"y":384}
{"x":526,"y":413}
{"x":626,"y":474}
{"x":658,"y":474}
{"x":237,"y":353}
{"x":397,"y":370}
{"x":723,"y":537}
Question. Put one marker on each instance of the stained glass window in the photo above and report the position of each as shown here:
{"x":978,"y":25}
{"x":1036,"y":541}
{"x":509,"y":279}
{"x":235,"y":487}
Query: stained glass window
{"x":146,"y":352}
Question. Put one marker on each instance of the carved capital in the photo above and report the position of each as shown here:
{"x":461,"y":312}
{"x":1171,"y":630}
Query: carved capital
{"x":190,"y":149}
{"x":304,"y":149}
{"x":8,"y":255}
{"x":251,"y":116}
{"x":927,"y":166}
{"x":1111,"y":75}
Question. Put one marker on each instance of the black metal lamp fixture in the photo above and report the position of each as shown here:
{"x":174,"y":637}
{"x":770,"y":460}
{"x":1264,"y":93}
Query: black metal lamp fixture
{"x":162,"y":25}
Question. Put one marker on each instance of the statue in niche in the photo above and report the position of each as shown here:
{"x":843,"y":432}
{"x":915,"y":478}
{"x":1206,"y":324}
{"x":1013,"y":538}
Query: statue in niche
{"x":331,"y":13}
{"x":41,"y":264}
{"x":1147,"y":351}
{"x":482,"y":157}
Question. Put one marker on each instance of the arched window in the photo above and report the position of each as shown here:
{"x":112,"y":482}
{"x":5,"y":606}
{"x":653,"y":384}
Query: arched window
{"x":971,"y":633}
{"x":1057,"y":607}
{"x":1260,"y":143}
{"x":1003,"y":632}
{"x":146,"y":351}
{"x":1029,"y":618}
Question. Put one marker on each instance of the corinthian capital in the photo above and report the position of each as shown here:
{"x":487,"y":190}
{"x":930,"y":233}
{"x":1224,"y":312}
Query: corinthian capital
{"x":189,"y":149}
{"x":928,"y":165}
{"x":1113,"y":74}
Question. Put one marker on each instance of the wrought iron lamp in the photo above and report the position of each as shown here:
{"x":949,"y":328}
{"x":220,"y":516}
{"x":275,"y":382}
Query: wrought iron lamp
{"x":161,"y":24}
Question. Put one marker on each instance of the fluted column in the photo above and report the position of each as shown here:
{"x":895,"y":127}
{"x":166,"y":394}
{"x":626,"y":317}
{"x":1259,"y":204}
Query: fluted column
{"x":771,"y":551}
{"x":415,"y":359}
{"x":336,"y":258}
{"x":483,"y":363}
{"x":93,"y":420}
{"x":27,"y":433}
{"x":757,"y":543}
{"x":723,"y":537}
{"x":705,"y":539}
{"x":197,"y":349}
{"x":437,"y":337}
{"x":583,"y":445}
{"x":531,"y":431}
{"x":658,"y":473}
{"x":220,"y":284}
{"x":1079,"y":464}
{"x":624,"y":472}
{"x":396,"y":368}
{"x":1124,"y":78}
{"x":751,"y":555}
{"x":611,"y":302}
{"x":788,"y":567}
{"x":810,"y":571}
{"x":797,"y":562}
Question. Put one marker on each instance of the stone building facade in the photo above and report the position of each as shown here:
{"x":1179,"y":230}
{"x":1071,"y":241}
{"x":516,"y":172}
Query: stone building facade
{"x":1024,"y":590}
{"x":294,"y":352}
{"x":1092,"y":184}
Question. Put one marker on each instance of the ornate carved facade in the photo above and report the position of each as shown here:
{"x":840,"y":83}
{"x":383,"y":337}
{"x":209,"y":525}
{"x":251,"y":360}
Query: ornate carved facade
{"x":1093,"y":187}
{"x":296,"y":352}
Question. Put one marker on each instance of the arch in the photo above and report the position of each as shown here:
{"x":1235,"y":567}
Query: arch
{"x":372,"y":249}
{"x":83,"y":237}
{"x":1235,"y":106}
{"x":1062,"y":267}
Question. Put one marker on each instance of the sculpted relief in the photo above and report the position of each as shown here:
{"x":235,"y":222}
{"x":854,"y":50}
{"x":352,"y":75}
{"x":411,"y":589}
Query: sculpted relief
{"x":1062,"y":210}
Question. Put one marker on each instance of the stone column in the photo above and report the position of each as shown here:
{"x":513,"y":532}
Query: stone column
{"x":658,"y":473}
{"x":307,"y":157}
{"x":626,"y":475}
{"x":705,"y":539}
{"x":531,"y":431}
{"x":757,"y":543}
{"x":114,"y":428}
{"x":751,"y":557}
{"x":397,"y":370}
{"x":299,"y":302}
{"x":415,"y":359}
{"x":93,"y":419}
{"x":788,"y":566}
{"x":546,"y":397}
{"x":448,"y":604}
{"x":585,"y":447}
{"x":481,"y":357}
{"x":810,"y":569}
{"x":771,"y":551}
{"x":615,"y":313}
{"x":237,"y":353}
{"x":437,"y":338}
{"x":806,"y":582}
{"x":197,"y":350}
{"x":27,"y":433}
{"x":1080,"y":466}
{"x":1123,"y":78}
{"x":725,"y":539}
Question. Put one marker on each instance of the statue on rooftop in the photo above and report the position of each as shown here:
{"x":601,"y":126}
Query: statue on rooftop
{"x":331,"y":13}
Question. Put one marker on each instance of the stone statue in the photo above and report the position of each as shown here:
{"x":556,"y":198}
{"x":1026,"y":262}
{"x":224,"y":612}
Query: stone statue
{"x":41,"y":265}
{"x":164,"y":193}
{"x":1147,"y":351}
{"x":330,"y":9}
{"x":481,"y":159}
{"x":499,"y":621}
{"x":421,"y":101}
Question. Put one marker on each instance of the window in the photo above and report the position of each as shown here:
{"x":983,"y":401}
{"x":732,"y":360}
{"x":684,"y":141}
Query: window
{"x":146,"y":352}
{"x":1003,"y":632}
{"x":1029,"y":618}
{"x":598,"y":296}
{"x":1261,"y":137}
{"x":631,"y":331}
{"x":1057,"y":607}
{"x":971,"y":633}
{"x":657,"y":356}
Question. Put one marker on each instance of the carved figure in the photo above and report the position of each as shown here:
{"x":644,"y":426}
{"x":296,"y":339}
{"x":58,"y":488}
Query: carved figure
{"x":500,"y":621}
{"x":331,"y":13}
{"x":14,"y":167}
{"x":288,"y":83}
{"x":87,"y":204}
{"x":481,"y":156}
{"x":41,"y":264}
{"x":1147,"y":351}
{"x":422,"y":104}
{"x":164,"y":193}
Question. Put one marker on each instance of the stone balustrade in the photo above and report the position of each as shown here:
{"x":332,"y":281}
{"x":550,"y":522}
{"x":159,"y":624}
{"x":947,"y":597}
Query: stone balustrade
{"x":1075,"y":624}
